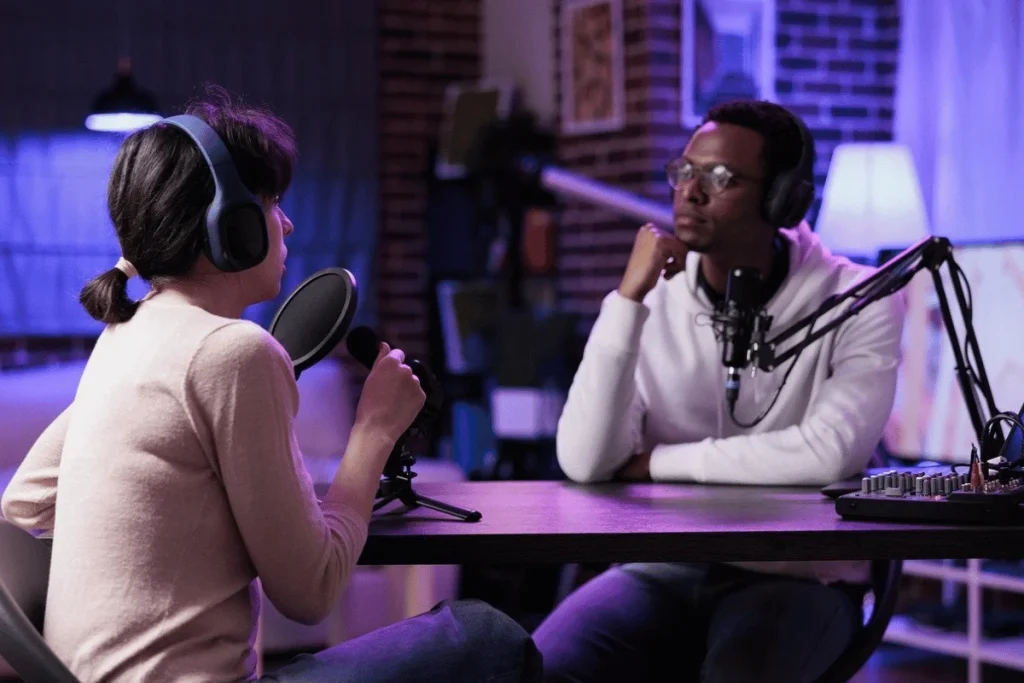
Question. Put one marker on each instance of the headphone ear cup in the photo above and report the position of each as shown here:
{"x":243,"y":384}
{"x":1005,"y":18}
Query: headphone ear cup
{"x":775,"y":200}
{"x":790,"y":196}
{"x":803,"y":197}
{"x":788,"y":200}
{"x":243,"y":232}
{"x":236,"y":239}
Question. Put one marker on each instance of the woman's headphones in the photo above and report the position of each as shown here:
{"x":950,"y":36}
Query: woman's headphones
{"x":236,"y":228}
{"x":789,"y":197}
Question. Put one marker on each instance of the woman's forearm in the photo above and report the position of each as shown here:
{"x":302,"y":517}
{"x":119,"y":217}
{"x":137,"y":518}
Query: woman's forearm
{"x":356,"y":481}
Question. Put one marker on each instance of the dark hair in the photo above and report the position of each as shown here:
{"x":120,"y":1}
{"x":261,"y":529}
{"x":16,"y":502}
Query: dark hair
{"x":780,"y":129}
{"x":160,"y":188}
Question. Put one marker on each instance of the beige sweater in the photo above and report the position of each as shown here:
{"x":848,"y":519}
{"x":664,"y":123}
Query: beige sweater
{"x":179,"y":481}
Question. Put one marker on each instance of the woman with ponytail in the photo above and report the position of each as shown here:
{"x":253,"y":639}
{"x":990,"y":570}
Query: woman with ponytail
{"x":173,"y":482}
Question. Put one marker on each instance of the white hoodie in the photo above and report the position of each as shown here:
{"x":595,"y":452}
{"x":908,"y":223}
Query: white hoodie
{"x":652,"y":379}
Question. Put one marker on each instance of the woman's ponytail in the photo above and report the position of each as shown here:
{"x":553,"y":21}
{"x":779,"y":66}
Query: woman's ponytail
{"x":105,"y":297}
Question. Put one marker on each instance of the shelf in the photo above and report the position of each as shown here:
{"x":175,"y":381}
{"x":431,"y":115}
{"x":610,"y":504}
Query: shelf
{"x":1003,"y":582}
{"x":903,"y":631}
{"x":975,"y":575}
{"x":1005,"y":652}
{"x":933,"y":570}
{"x":986,"y":578}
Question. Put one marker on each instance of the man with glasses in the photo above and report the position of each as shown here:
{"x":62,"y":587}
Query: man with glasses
{"x":648,"y":403}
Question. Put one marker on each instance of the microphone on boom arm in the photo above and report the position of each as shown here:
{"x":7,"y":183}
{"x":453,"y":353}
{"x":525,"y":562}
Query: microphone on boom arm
{"x":737,"y":320}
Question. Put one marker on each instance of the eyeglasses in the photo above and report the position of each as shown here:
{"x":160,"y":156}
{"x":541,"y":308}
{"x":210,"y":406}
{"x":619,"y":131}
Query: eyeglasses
{"x":713,"y":180}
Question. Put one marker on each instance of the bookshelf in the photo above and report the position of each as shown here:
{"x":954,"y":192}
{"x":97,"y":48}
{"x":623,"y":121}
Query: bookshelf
{"x":976,"y":576}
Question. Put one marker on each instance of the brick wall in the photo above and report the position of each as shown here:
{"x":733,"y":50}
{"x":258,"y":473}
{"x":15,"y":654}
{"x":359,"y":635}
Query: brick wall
{"x":836,"y":67}
{"x":594,"y":243}
{"x":424,"y":47}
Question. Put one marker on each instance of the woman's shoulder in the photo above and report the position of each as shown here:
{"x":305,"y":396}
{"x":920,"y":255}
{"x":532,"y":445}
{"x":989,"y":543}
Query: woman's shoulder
{"x":242,"y":338}
{"x":240,"y":345}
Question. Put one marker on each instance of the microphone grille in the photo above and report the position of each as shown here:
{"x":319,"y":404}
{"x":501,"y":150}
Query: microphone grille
{"x":363,"y":345}
{"x":742,"y":289}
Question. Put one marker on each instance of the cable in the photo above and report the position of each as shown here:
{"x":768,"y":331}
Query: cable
{"x":991,"y":427}
{"x":778,"y":392}
{"x":719,"y":321}
{"x":968,"y":314}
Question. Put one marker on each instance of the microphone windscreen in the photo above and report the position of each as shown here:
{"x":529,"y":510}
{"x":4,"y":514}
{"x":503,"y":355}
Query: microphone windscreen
{"x":742,"y":292}
{"x":363,"y":344}
{"x":316,"y":316}
{"x":742,"y":289}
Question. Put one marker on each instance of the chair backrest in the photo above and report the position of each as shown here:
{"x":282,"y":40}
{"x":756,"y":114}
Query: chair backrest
{"x":885,"y":585}
{"x":24,"y":573}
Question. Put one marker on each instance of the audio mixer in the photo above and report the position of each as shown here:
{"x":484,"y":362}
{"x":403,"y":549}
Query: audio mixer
{"x":941,"y":496}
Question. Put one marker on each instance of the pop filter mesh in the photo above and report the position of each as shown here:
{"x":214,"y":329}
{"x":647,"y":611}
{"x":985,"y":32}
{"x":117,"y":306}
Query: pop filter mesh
{"x":316,"y":316}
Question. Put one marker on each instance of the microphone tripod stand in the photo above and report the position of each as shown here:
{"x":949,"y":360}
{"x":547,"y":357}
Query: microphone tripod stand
{"x":396,"y":484}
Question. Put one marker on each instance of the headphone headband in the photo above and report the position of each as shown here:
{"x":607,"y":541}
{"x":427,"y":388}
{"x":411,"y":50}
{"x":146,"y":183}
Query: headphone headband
{"x":236,"y":230}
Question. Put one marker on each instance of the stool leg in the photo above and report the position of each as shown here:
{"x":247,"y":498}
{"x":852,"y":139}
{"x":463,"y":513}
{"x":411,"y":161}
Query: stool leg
{"x":258,"y":644}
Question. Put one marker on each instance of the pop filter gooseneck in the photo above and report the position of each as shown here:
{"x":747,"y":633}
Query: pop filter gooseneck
{"x":316,"y":316}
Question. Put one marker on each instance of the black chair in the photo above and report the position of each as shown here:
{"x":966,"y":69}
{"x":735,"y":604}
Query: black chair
{"x":885,"y":587}
{"x":24,"y":573}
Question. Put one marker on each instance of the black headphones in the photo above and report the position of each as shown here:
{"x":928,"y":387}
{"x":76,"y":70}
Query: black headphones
{"x":789,"y":197}
{"x":236,"y":229}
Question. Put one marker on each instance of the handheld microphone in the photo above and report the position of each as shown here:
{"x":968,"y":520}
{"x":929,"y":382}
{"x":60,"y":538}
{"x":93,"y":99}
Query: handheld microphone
{"x":363,"y":345}
{"x":741,"y":300}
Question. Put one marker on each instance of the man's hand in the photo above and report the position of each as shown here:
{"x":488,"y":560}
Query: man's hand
{"x":637,"y":469}
{"x":654,"y":252}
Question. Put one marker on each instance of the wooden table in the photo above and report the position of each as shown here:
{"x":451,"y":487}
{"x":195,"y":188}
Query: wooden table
{"x":561,"y":522}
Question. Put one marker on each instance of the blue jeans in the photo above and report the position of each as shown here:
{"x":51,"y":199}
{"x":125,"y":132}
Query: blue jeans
{"x":458,"y":641}
{"x":707,"y":623}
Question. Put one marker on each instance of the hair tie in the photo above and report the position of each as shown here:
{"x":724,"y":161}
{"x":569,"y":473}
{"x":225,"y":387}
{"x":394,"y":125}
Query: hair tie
{"x":126,"y":267}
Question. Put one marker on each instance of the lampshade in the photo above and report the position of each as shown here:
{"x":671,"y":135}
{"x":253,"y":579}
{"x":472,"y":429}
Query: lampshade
{"x":124,"y":106}
{"x":872,"y":200}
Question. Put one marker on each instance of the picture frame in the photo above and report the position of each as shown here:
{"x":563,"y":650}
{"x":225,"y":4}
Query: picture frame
{"x":727,"y":53}
{"x":593,"y":98}
{"x":469,"y":108}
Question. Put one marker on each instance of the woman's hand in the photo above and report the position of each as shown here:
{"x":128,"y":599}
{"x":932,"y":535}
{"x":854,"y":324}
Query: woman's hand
{"x":392,"y":396}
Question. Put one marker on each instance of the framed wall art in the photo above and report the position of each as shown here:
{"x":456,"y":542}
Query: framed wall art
{"x":593,"y":79}
{"x":727,"y":53}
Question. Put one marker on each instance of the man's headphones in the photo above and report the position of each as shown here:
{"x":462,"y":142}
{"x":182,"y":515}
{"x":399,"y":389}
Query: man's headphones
{"x":236,"y":228}
{"x":789,"y":197}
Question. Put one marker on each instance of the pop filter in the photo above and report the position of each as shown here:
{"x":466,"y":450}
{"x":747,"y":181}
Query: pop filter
{"x":316,"y":316}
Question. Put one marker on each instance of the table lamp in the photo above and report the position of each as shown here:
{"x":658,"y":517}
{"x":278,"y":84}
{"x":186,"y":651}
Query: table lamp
{"x":872,"y":201}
